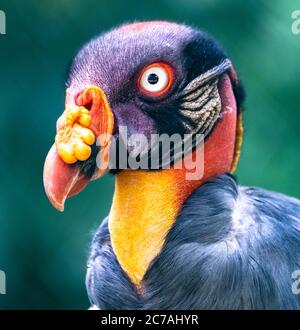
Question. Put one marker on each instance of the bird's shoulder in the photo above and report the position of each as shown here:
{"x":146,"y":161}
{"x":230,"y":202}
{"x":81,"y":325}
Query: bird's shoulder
{"x":231,"y":248}
{"x":221,"y":209}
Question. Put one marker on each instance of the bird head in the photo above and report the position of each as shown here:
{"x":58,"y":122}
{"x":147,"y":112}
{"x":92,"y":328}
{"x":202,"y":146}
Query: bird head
{"x":150,"y":78}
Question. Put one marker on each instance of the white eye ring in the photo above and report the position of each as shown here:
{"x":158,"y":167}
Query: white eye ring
{"x":155,"y":79}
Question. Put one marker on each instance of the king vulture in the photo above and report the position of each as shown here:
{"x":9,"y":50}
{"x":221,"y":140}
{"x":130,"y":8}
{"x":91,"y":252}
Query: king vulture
{"x":170,"y":242}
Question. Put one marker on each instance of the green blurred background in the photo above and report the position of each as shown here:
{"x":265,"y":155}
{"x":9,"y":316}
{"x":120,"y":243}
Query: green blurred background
{"x":44,"y":252}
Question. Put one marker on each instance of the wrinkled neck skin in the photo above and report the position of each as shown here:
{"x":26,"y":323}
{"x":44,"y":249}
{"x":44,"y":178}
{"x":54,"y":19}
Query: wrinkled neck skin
{"x":146,"y":203}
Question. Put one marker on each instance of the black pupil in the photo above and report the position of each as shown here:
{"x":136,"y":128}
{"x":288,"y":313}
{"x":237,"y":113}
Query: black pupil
{"x":153,"y":78}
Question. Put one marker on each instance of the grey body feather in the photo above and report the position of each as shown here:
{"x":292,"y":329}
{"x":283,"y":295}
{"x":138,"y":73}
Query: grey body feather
{"x":230,"y":248}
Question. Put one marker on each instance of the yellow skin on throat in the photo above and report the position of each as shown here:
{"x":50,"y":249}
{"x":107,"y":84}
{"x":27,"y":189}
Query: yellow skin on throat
{"x":142,"y":213}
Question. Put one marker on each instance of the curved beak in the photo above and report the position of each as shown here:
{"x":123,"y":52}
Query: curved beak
{"x":86,"y":121}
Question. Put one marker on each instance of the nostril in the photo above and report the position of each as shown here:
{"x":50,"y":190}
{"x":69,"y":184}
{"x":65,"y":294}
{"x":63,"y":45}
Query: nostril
{"x":89,"y":105}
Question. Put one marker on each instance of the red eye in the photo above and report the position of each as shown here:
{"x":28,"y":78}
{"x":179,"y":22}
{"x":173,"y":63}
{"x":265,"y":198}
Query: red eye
{"x":156,"y":79}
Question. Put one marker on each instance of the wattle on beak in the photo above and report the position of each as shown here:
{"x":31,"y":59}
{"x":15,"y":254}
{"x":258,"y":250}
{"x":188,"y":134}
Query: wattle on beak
{"x":87,"y":119}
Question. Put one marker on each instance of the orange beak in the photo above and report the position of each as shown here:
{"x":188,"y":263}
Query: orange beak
{"x":87,"y":118}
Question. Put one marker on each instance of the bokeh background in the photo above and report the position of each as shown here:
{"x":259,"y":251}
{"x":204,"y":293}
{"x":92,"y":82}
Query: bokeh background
{"x":44,"y":252}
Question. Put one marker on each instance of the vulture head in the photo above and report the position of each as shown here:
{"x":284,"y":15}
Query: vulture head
{"x":143,"y":80}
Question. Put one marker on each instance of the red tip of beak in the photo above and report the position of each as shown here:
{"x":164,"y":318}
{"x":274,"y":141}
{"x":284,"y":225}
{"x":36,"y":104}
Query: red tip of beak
{"x":61,"y":180}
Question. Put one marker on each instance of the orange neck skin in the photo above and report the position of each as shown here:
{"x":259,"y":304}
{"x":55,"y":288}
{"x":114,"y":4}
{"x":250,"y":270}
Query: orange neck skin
{"x":147,"y":203}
